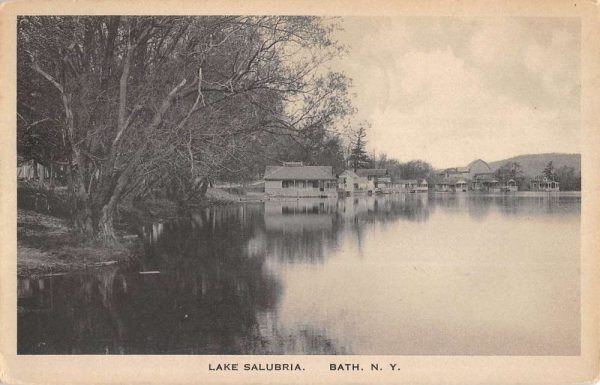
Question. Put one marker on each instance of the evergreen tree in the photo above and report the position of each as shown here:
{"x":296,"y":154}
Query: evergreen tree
{"x":358,"y":154}
{"x":549,"y":171}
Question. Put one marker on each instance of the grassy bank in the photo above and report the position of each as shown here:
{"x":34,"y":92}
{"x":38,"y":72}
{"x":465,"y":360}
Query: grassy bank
{"x":48,"y":244}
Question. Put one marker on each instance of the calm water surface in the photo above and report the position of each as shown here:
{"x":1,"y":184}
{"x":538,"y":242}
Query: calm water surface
{"x":448,"y":274}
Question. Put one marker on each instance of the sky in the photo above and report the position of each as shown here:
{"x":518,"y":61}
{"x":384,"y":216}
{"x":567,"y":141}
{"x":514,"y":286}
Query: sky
{"x":450,"y":90}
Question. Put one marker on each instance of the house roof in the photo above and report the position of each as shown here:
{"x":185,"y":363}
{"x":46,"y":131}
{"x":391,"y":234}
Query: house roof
{"x":475,"y":162}
{"x":405,"y":181}
{"x":485,"y":177}
{"x":542,"y":178}
{"x":299,"y":173}
{"x":371,"y":172}
{"x":349,"y":173}
{"x":466,"y":169}
{"x":451,"y":181}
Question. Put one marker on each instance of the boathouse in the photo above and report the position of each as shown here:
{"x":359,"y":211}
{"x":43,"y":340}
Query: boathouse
{"x":293,"y":179}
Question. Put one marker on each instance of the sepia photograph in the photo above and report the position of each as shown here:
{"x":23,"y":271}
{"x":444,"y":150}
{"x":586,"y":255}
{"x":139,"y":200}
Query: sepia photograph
{"x":287,"y":185}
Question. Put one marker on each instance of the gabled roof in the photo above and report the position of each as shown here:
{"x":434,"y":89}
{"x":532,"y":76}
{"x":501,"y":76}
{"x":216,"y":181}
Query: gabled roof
{"x":475,"y":161}
{"x":299,"y":173}
{"x":371,"y":172}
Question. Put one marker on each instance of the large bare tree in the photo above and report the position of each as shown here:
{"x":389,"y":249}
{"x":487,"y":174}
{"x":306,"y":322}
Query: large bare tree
{"x":141,"y":102}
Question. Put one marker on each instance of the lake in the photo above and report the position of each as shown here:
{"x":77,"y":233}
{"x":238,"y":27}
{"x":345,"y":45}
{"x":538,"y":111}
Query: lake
{"x":402,"y":274}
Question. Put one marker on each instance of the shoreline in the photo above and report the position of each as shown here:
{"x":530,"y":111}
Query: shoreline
{"x":48,"y":245}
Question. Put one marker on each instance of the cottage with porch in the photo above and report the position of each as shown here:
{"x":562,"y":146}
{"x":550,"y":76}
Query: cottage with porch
{"x":511,"y":186}
{"x":477,"y":176}
{"x":543,"y":183}
{"x":293,"y":179}
{"x":404,"y":185}
{"x":452,"y":184}
{"x":422,"y":186}
{"x":410,"y":185}
{"x":484,"y":182}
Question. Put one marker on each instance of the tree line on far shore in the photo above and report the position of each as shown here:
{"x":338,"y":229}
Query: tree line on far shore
{"x":358,"y":157}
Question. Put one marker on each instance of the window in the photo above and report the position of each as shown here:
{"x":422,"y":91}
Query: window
{"x":301,"y":184}
{"x":286,"y":184}
{"x":315,"y":184}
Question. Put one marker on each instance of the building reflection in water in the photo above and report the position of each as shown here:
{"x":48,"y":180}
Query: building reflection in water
{"x":217,"y":277}
{"x":300,"y":230}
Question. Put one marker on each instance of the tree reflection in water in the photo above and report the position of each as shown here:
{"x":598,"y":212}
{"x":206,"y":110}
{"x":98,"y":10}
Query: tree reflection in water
{"x":222,"y":275}
{"x":209,"y":298}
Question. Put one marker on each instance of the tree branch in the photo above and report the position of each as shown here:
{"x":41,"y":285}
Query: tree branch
{"x":48,"y":77}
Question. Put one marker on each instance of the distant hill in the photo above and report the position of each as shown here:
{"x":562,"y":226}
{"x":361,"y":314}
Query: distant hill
{"x":533,"y":164}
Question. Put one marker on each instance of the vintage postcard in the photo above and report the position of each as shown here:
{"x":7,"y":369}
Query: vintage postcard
{"x":299,"y":192}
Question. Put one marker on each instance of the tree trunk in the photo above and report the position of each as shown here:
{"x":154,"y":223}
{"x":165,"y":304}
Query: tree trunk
{"x":106,"y":230}
{"x":51,"y":174}
{"x":35,"y":169}
{"x":81,"y":205}
{"x":203,"y":187}
{"x":83,"y":212}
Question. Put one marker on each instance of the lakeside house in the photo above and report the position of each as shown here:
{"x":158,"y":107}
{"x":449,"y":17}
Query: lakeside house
{"x":422,"y":186}
{"x":485,"y":182}
{"x":476,"y":176}
{"x":410,"y":185}
{"x":293,"y":179}
{"x":350,"y":182}
{"x":510,"y":186}
{"x":54,"y":172}
{"x":543,"y":183}
{"x":378,"y":179}
{"x":452,"y":184}
{"x":404,"y":185}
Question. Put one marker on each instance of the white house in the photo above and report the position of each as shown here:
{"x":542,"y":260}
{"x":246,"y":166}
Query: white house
{"x":350,"y":182}
{"x":378,"y":179}
{"x":293,"y":179}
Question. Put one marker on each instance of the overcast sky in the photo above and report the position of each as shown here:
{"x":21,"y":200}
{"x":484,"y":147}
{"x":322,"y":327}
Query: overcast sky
{"x":450,"y":90}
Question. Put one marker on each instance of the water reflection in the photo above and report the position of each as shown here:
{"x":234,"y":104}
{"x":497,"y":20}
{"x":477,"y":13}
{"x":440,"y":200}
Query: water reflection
{"x":396,"y":274}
